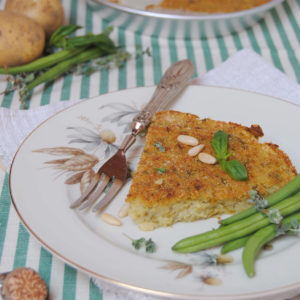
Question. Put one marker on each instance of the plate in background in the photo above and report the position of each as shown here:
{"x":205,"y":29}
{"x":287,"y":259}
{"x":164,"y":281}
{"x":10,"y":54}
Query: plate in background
{"x":185,"y":25}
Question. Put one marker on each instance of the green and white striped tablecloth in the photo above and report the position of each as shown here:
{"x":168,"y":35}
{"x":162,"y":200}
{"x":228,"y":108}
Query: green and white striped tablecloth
{"x":276,"y":38}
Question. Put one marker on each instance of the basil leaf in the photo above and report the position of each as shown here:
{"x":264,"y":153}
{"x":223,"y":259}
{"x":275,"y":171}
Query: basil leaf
{"x":220,"y":145}
{"x":236,"y":170}
{"x":222,"y":163}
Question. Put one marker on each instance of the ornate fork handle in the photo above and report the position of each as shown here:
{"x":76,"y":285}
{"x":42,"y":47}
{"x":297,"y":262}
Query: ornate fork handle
{"x":171,"y":84}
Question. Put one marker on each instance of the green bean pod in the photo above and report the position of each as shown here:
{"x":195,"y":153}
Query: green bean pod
{"x":43,"y":62}
{"x":99,"y":40}
{"x":258,"y":240}
{"x":62,"y":32}
{"x":289,"y":189}
{"x":235,"y":244}
{"x":236,"y":230}
{"x":63,"y":67}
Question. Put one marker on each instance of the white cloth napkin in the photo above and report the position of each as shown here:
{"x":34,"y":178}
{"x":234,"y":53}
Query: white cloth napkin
{"x":244,"y":70}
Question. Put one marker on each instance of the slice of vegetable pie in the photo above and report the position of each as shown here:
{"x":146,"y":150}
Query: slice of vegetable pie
{"x":175,"y":184}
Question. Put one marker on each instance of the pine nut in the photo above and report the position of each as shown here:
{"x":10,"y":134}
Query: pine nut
{"x":195,"y":150}
{"x":207,"y":158}
{"x":212,"y":281}
{"x":123,"y":212}
{"x":110,"y":219}
{"x":187,"y":140}
{"x":224,"y":259}
{"x":159,"y":181}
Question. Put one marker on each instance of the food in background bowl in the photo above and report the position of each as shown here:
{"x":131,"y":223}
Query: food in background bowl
{"x":202,"y":6}
{"x":208,"y":6}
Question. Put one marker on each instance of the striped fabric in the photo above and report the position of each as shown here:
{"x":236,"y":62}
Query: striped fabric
{"x":276,"y":38}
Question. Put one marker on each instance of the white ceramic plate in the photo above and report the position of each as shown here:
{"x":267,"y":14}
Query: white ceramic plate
{"x":83,"y":240}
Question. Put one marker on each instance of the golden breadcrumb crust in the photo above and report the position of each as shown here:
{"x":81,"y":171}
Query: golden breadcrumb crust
{"x":189,"y":190}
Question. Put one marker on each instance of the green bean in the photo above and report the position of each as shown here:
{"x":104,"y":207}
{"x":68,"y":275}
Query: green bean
{"x":62,"y":32}
{"x":195,"y":247}
{"x":63,"y":67}
{"x":235,"y":244}
{"x":99,"y":40}
{"x":43,"y":62}
{"x":260,"y":238}
{"x":289,"y":189}
{"x":224,"y":230}
{"x":60,"y":37}
{"x":236,"y":230}
{"x":75,"y":46}
{"x":253,"y":246}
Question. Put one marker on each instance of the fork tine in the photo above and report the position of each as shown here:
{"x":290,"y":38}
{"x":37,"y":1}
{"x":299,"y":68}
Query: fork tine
{"x":113,"y":190}
{"x":86,"y":192}
{"x":93,"y":196}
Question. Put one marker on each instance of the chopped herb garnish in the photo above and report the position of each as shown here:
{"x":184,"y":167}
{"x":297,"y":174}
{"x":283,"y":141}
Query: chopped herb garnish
{"x":137,"y":244}
{"x":149,"y":244}
{"x":161,"y":170}
{"x":160,"y":147}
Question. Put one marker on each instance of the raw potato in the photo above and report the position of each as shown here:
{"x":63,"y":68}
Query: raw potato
{"x":48,"y":13}
{"x":21,"y":39}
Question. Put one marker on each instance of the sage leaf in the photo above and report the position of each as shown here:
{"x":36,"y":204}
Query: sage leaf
{"x":236,"y":170}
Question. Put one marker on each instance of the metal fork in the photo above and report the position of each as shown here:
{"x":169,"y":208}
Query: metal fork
{"x":115,"y":169}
